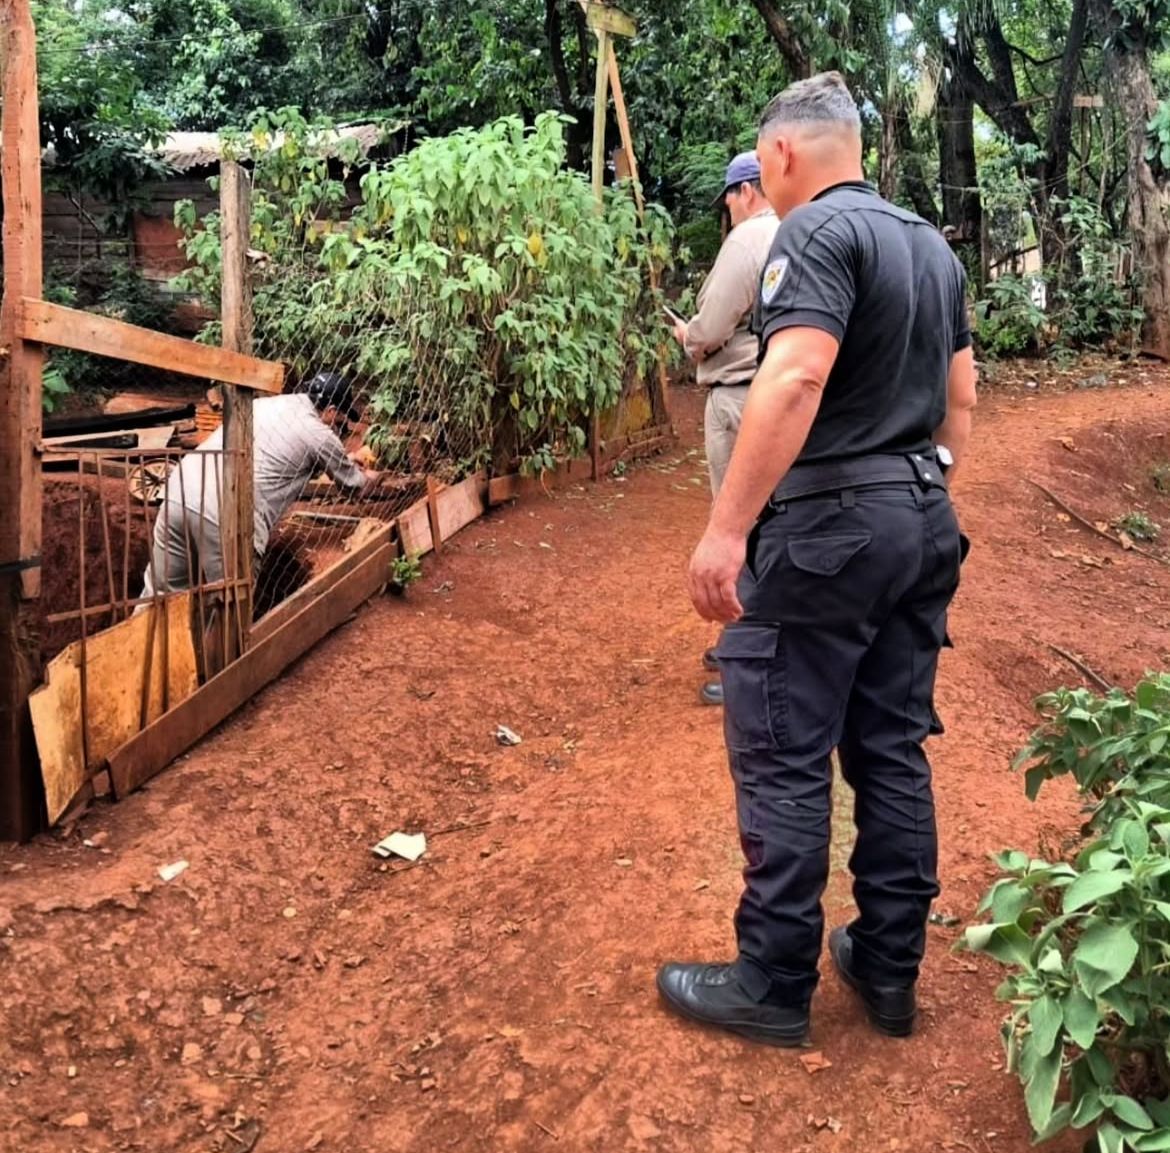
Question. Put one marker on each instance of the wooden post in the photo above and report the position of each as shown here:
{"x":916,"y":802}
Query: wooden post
{"x":660,"y":402}
{"x":21,"y":790}
{"x":237,"y":514}
{"x":600,"y":101}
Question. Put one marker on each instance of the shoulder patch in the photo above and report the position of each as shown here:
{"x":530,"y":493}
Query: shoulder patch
{"x":772,"y":279}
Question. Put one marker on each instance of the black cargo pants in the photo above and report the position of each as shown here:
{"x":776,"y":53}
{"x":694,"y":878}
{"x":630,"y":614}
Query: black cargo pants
{"x":845,"y":597}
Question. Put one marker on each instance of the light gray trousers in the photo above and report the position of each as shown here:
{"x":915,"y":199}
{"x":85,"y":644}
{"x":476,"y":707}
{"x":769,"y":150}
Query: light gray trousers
{"x":721,"y":426}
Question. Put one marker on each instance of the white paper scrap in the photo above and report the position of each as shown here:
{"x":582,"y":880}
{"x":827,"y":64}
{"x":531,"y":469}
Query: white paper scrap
{"x":403,"y":845}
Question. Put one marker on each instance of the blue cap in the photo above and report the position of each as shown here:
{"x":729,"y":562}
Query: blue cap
{"x":744,"y":169}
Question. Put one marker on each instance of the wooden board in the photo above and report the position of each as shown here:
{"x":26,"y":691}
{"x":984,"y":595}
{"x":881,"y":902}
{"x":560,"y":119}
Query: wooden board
{"x":117,"y":663}
{"x":159,"y":744}
{"x":460,"y":504}
{"x":603,"y":19}
{"x":45,"y":323}
{"x":414,"y":529}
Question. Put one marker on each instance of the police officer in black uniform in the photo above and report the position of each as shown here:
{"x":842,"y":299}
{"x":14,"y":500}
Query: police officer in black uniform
{"x":831,"y":555}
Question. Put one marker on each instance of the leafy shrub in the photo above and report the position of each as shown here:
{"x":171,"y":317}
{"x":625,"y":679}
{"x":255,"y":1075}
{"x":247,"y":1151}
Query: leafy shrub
{"x":476,"y":284}
{"x":1009,"y":322}
{"x":1138,"y":525}
{"x":1086,"y":307}
{"x":1087,"y":940}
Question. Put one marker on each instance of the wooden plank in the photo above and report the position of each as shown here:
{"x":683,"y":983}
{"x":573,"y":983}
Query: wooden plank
{"x":370,"y":542}
{"x":21,"y":792}
{"x":601,"y":18}
{"x":146,"y":754}
{"x":54,"y":324}
{"x":460,"y":504}
{"x":237,"y":512}
{"x":1083,"y":100}
{"x":414,"y":529}
{"x":623,"y":119}
{"x":116,"y":686}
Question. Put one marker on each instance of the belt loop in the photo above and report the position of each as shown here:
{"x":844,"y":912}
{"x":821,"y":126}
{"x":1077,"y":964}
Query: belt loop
{"x":848,"y":498}
{"x":919,"y":495}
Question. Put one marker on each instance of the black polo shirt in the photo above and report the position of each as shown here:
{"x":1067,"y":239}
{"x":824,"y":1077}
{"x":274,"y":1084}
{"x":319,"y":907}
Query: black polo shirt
{"x":886,"y":285}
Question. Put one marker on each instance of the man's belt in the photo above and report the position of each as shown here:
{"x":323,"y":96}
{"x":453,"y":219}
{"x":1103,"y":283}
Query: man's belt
{"x":731,"y":383}
{"x":921,"y":468}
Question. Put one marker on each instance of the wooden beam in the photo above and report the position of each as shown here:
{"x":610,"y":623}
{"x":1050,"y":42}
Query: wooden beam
{"x":602,"y":18}
{"x":623,"y":119}
{"x":21,"y":790}
{"x":47,"y":323}
{"x":237,"y":514}
{"x":148,"y":753}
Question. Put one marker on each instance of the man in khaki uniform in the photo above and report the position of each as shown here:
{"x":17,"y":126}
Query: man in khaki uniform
{"x":718,"y":338}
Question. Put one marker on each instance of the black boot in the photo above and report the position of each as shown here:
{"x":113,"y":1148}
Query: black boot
{"x":713,"y":995}
{"x":891,"y":1008}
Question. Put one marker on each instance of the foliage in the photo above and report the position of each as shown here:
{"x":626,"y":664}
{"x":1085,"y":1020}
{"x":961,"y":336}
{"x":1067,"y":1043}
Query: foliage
{"x":94,"y":116}
{"x":477,"y":281}
{"x":1158,"y":132}
{"x":404,"y":571}
{"x":1009,"y":322}
{"x":1160,"y":478}
{"x":1138,"y":526}
{"x":1090,"y":308}
{"x":1087,"y":940}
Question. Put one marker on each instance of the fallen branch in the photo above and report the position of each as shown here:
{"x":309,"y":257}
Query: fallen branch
{"x":545,"y":1129}
{"x":1099,"y":680}
{"x":1085,"y":523}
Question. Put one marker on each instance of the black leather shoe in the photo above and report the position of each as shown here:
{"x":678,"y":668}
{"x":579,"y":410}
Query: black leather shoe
{"x":891,"y":1008}
{"x":712,"y":693}
{"x":713,"y":995}
{"x":710,"y":661}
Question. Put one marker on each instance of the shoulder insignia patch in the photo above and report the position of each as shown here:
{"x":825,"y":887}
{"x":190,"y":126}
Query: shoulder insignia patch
{"x":772,"y":279}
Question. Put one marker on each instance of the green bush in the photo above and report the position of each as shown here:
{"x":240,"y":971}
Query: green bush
{"x":1087,"y":939}
{"x":476,"y":286}
{"x":1086,"y":306}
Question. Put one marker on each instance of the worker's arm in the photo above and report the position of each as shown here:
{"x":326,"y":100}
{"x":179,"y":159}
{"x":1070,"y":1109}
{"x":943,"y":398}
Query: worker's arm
{"x":782,"y":404}
{"x":344,"y":472}
{"x":727,"y":296}
{"x":955,"y":430}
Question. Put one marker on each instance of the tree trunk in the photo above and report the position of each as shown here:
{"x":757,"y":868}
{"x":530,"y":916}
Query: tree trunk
{"x":1129,"y":77}
{"x":888,"y":152}
{"x":958,"y":173}
{"x":786,"y":40}
{"x":554,"y":34}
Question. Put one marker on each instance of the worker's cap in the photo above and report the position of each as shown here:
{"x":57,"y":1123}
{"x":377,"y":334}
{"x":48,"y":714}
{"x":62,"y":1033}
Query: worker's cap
{"x":744,"y":169}
{"x":330,"y":390}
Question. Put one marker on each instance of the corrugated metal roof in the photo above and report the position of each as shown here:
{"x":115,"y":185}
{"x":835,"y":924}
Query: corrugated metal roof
{"x":186,"y":150}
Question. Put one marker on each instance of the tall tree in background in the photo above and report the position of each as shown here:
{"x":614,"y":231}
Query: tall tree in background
{"x":1133,"y":30}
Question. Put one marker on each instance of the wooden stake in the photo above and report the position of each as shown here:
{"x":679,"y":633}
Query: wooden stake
{"x":21,"y":789}
{"x":433,"y":487}
{"x":238,"y":497}
{"x":660,"y":402}
{"x":600,"y":100}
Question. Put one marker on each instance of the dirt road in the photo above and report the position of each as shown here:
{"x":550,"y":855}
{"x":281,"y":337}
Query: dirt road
{"x":294,"y":990}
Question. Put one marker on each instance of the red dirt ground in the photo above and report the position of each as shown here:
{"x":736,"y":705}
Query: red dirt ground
{"x":290,"y":992}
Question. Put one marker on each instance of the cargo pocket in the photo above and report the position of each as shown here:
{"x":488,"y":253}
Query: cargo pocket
{"x":826,"y":555}
{"x":755,"y":689}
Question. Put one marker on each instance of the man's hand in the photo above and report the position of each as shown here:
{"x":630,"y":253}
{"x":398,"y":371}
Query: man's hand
{"x":373,"y":480}
{"x":715,"y":568}
{"x":680,"y":334}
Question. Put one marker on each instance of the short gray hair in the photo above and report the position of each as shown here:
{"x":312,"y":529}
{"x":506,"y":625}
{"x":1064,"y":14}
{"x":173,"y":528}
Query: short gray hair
{"x":824,"y":98}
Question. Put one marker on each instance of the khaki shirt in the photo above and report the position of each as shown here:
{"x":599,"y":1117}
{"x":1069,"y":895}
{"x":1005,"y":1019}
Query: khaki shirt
{"x":291,"y":445}
{"x":718,"y":337}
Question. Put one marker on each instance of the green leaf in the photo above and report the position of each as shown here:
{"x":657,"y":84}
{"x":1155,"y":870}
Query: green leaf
{"x":1089,"y":888}
{"x":1040,"y":1091}
{"x":1107,"y":950}
{"x":1059,"y":1121}
{"x":1088,"y":1109}
{"x":1081,"y":1020}
{"x":1128,"y":1110}
{"x":1046,"y":1018}
{"x":1156,"y":1142}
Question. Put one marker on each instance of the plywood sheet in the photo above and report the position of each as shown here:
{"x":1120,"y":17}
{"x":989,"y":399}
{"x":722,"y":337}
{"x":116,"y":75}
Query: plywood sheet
{"x":158,"y":643}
